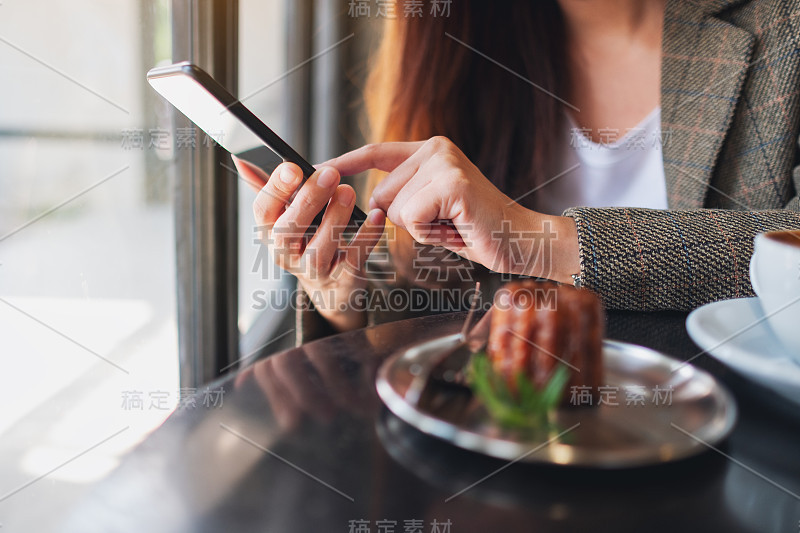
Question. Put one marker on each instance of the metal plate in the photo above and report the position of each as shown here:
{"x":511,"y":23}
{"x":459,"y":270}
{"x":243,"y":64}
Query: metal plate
{"x":665,"y":410}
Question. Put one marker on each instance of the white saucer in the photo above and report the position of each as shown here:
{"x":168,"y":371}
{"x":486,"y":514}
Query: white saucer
{"x":735,"y":332}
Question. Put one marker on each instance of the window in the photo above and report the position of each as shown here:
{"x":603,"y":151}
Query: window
{"x":262,"y":86}
{"x":104,"y":285}
{"x":87,"y":252}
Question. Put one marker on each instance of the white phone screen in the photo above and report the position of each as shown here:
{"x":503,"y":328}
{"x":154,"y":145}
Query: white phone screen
{"x":208,"y":113}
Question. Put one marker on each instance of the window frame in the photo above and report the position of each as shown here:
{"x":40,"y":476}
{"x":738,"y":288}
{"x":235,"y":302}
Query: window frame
{"x":205,"y":32}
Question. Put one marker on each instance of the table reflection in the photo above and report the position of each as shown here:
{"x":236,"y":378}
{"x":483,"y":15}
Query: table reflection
{"x":302,"y":443}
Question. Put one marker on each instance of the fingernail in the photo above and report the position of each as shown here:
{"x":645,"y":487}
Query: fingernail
{"x":345,"y":196}
{"x":372,"y":203}
{"x":287,"y":175}
{"x":327,"y":178}
{"x":376,"y":217}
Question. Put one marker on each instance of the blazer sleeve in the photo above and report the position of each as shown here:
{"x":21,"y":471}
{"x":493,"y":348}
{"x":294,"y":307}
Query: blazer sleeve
{"x":310,"y":325}
{"x":650,"y":259}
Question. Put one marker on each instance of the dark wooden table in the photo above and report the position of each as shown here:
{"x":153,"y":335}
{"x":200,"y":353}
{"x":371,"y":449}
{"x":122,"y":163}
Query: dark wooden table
{"x":302,"y":443}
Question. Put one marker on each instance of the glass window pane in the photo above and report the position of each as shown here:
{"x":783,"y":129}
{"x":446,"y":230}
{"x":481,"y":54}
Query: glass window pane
{"x":87,"y":262}
{"x":262,"y":69}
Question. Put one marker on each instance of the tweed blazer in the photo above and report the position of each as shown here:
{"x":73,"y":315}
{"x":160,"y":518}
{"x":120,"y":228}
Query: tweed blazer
{"x":730,"y":115}
{"x":730,"y":104}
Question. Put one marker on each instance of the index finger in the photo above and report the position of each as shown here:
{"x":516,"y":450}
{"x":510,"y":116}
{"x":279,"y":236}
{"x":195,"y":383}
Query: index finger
{"x":380,"y":156}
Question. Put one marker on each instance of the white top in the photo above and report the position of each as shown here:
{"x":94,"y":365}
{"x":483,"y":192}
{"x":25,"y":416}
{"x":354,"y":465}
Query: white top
{"x":625,"y":169}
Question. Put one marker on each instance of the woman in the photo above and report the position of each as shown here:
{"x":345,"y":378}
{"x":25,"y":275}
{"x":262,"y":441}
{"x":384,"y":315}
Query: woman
{"x":510,"y":95}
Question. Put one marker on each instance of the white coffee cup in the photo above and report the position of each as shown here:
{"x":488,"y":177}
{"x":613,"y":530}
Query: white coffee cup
{"x":775,"y":275}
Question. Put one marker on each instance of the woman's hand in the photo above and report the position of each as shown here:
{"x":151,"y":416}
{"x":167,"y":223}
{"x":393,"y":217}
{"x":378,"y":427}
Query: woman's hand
{"x":326,"y":267}
{"x":436,"y":194}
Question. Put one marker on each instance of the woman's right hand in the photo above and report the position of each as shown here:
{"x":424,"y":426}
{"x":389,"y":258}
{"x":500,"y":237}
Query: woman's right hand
{"x":327,"y":267}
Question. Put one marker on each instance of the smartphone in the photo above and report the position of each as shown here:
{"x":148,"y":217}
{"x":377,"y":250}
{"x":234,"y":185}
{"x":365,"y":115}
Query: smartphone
{"x":225,"y":119}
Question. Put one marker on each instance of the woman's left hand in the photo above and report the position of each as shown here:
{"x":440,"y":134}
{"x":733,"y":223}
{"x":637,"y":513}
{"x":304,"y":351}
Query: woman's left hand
{"x":436,"y":194}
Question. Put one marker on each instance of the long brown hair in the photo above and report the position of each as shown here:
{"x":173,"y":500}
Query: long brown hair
{"x":424,"y":83}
